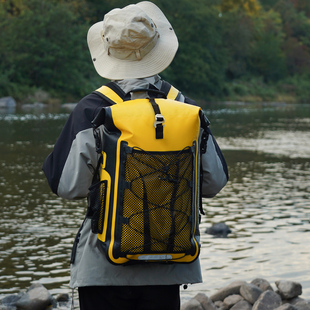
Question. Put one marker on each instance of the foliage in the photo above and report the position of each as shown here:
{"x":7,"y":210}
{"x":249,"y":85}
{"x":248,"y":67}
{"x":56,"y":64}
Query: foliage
{"x":251,"y":7}
{"x":42,"y":48}
{"x":297,"y":86}
{"x":267,"y":58}
{"x":228,"y":49}
{"x":199,"y":65}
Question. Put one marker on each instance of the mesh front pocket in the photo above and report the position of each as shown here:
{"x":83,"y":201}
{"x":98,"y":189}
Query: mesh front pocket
{"x":97,"y":201}
{"x":157,"y":202}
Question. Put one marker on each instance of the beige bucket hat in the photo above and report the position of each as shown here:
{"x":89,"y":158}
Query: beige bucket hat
{"x":136,"y":41}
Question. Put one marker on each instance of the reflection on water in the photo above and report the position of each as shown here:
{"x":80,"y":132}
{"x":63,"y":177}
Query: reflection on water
{"x":266,"y":202}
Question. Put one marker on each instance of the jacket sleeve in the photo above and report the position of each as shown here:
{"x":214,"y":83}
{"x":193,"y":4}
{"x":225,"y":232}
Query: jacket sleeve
{"x":214,"y":168}
{"x":69,"y":168}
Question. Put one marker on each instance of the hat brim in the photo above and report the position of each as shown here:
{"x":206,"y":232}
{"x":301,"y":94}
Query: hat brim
{"x":157,"y":60}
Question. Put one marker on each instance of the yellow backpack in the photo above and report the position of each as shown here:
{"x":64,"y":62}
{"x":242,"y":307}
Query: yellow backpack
{"x":145,"y":207}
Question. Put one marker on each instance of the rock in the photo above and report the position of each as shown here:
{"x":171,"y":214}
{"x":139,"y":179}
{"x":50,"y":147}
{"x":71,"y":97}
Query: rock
{"x":289,"y":289}
{"x":63,"y":298}
{"x":232,"y":300}
{"x":7,"y":102}
{"x":205,"y":302}
{"x":37,"y":297}
{"x":218,"y":230}
{"x":286,"y":307}
{"x":250,"y":292}
{"x":268,"y":300}
{"x":292,"y":301}
{"x":219,"y":304}
{"x":302,"y":305}
{"x":34,"y":106}
{"x":69,"y":106}
{"x":192,"y":304}
{"x":9,"y":302}
{"x":263,"y":284}
{"x":232,"y":288}
{"x":242,"y":305}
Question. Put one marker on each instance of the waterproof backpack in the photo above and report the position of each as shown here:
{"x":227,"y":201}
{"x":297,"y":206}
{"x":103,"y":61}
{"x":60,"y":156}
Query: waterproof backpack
{"x":145,"y":206}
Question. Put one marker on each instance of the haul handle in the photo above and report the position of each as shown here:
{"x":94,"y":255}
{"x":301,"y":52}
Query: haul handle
{"x":148,"y":90}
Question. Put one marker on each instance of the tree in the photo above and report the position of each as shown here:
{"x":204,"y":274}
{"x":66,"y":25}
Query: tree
{"x":267,"y":58}
{"x":45,"y":47}
{"x":199,"y":66}
{"x":249,"y":6}
{"x":238,"y":37}
{"x":296,"y":27}
{"x":12,"y":7}
{"x":302,"y":6}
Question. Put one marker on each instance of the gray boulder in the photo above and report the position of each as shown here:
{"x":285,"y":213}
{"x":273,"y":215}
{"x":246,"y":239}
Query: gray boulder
{"x":37,"y":297}
{"x":289,"y":289}
{"x":63,"y":297}
{"x":199,"y":302}
{"x":250,"y":292}
{"x":218,"y":230}
{"x":7,"y":102}
{"x":242,"y":305}
{"x":302,"y":305}
{"x":263,"y":284}
{"x":268,"y":300}
{"x":232,"y":288}
{"x":232,"y":300}
{"x":220,"y":305}
{"x":9,"y":302}
{"x":205,"y":301}
{"x":293,"y":301}
{"x":286,"y":307}
{"x":192,"y":304}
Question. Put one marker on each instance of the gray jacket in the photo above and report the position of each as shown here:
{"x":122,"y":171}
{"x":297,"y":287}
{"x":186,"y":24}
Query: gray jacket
{"x":69,"y":170}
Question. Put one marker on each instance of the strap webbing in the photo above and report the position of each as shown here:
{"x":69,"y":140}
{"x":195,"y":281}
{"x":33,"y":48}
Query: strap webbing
{"x":108,"y":94}
{"x":159,"y":120}
{"x":170,"y":91}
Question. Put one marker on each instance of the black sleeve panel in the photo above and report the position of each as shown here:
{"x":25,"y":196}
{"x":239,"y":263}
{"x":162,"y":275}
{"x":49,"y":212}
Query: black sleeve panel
{"x":79,"y":120}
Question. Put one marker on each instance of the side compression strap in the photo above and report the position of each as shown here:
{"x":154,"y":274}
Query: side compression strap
{"x":159,"y":120}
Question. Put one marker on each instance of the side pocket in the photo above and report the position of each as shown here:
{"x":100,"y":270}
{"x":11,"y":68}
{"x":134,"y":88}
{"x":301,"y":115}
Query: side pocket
{"x":97,"y":203}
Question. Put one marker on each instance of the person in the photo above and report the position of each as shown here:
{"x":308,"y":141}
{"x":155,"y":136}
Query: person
{"x":130,"y":47}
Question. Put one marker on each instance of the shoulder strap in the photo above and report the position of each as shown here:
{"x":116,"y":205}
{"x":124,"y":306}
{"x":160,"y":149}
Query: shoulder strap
{"x":111,"y":93}
{"x":170,"y":91}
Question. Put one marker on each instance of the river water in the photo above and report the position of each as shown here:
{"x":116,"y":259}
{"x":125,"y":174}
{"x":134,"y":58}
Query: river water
{"x":265,"y":203}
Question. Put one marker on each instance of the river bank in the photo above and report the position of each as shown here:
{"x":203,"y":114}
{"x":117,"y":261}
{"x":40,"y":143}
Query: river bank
{"x":239,"y":93}
{"x":258,"y":294}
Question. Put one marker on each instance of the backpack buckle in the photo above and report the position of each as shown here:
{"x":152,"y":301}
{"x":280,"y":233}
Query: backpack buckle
{"x":159,"y":120}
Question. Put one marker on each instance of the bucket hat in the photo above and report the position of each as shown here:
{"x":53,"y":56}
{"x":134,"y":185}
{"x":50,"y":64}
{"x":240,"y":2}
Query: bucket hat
{"x":136,"y":41}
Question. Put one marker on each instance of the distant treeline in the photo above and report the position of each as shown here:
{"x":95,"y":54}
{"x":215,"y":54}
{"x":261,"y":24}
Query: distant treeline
{"x":229,"y":49}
